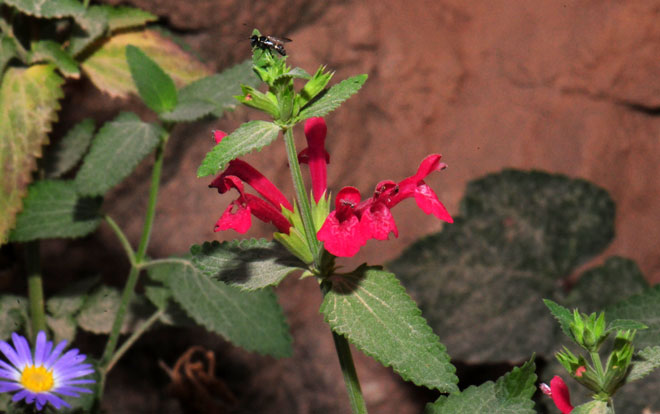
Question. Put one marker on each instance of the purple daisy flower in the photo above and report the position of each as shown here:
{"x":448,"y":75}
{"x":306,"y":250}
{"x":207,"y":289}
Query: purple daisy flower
{"x":37,"y":377}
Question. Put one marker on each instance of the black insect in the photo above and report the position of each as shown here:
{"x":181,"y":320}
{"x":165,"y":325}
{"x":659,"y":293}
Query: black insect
{"x":269,"y":42}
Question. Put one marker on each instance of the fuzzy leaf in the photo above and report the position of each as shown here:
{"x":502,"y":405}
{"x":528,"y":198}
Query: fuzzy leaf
{"x":51,"y":51}
{"x":252,"y":320}
{"x":53,"y":209}
{"x":327,"y":102}
{"x":98,"y":312}
{"x":592,"y":407}
{"x":116,"y":150}
{"x":212,"y":95}
{"x":28,"y":106}
{"x":511,"y":394}
{"x":644,"y":308}
{"x":64,"y":327}
{"x":563,"y":316}
{"x":87,"y":28}
{"x":13,"y":314}
{"x":155,"y":87}
{"x":8,"y":51}
{"x":124,"y":17}
{"x":48,"y":9}
{"x":486,"y":274}
{"x":71,"y":298}
{"x":645,"y":362}
{"x":65,"y":154}
{"x":108,"y":69}
{"x":373,"y":311}
{"x":250,"y":136}
{"x":247,"y":264}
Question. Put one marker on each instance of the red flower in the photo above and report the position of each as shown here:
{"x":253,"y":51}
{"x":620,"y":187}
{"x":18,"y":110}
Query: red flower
{"x":559,"y":393}
{"x":238,"y":214}
{"x":341,"y":234}
{"x":315,"y":155}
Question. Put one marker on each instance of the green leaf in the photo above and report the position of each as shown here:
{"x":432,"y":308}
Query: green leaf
{"x":51,"y":51}
{"x":8,"y":51}
{"x":48,"y":9}
{"x":156,"y":88}
{"x":124,"y":17}
{"x":374,"y":312}
{"x":511,"y":394}
{"x":62,"y":156}
{"x":625,"y":325}
{"x":252,"y":320}
{"x":13,"y":314}
{"x":248,"y":264}
{"x":71,"y":298}
{"x":106,"y":66}
{"x":212,"y":95}
{"x":53,"y":209}
{"x":616,"y":279}
{"x":98,"y":312}
{"x":116,"y":150}
{"x":484,"y":276}
{"x":563,"y":316}
{"x":332,"y":98}
{"x":64,"y":327}
{"x":644,"y":308}
{"x":88,"y":27}
{"x":28,"y":106}
{"x":250,"y":136}
{"x":592,"y":407}
{"x":644,"y":362}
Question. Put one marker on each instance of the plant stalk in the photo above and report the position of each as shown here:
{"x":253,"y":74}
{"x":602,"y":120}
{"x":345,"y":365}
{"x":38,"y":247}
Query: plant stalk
{"x":133,"y":338}
{"x":35,"y":288}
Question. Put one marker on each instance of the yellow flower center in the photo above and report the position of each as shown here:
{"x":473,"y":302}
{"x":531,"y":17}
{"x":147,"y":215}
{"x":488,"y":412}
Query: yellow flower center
{"x":37,"y":379}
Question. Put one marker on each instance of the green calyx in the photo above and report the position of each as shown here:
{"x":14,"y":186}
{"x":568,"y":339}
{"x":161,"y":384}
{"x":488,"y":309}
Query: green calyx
{"x":589,"y":331}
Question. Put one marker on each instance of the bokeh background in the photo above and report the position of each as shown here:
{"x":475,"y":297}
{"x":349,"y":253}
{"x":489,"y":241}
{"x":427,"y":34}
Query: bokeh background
{"x":569,"y":87}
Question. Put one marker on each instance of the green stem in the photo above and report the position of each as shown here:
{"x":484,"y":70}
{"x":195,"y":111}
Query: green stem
{"x":301,"y":195}
{"x":35,"y":288}
{"x":347,"y":368}
{"x":131,"y":282}
{"x":133,"y":338}
{"x":598,"y":366}
{"x":149,"y":263}
{"x":123,"y":240}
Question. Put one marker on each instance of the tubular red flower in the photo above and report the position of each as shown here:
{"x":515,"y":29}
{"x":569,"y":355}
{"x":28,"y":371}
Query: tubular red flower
{"x":238,"y":215}
{"x":342,"y":232}
{"x":255,"y":179}
{"x":315,"y":155}
{"x":218,"y":135}
{"x":560,"y":395}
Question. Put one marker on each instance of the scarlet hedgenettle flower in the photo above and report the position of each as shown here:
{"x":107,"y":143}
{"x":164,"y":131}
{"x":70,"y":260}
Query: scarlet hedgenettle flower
{"x":559,"y":393}
{"x":38,"y":377}
{"x":353,"y":223}
{"x":315,"y":155}
{"x":238,"y":215}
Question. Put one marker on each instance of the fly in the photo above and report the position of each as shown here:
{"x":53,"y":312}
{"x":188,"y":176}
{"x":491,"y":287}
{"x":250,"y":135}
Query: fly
{"x":270,"y":43}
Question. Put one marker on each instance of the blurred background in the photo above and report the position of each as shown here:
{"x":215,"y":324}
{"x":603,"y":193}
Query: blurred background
{"x":561,"y":86}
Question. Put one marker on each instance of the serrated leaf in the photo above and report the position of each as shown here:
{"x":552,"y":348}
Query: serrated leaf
{"x":644,"y":308}
{"x":247,"y":264}
{"x":625,"y":325}
{"x":212,"y":95}
{"x":28,"y":106}
{"x":644,"y":362}
{"x":71,"y":298}
{"x":65,"y":154}
{"x":250,"y":136}
{"x":116,"y":150}
{"x":108,"y":69}
{"x":88,"y":27}
{"x":13,"y":314}
{"x":124,"y":17}
{"x":592,"y":407}
{"x":8,"y":51}
{"x":155,"y":87}
{"x":51,"y":51}
{"x":332,"y":98}
{"x":161,"y":297}
{"x":252,"y":320}
{"x":486,"y":274}
{"x":98,"y":312}
{"x":563,"y":316}
{"x":48,"y":9}
{"x":53,"y":209}
{"x":511,"y":394}
{"x":373,"y":311}
{"x":63,"y":327}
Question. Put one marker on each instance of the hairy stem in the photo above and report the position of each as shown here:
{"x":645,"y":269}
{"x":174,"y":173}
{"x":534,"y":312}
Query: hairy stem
{"x":35,"y":288}
{"x":133,"y":338}
{"x":123,"y":240}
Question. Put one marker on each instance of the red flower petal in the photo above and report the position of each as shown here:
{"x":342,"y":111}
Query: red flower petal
{"x":378,"y":222}
{"x":428,"y":201}
{"x":341,"y":238}
{"x":315,"y":155}
{"x":560,"y":395}
{"x":239,"y":220}
{"x":218,"y":135}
